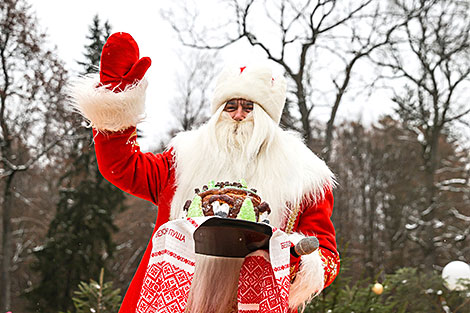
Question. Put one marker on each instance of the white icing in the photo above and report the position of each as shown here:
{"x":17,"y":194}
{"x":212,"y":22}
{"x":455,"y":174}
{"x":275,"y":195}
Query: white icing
{"x":263,"y":216}
{"x":217,"y":207}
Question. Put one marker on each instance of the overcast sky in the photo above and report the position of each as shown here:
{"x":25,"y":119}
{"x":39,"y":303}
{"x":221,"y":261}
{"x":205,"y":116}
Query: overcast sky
{"x":67,"y":22}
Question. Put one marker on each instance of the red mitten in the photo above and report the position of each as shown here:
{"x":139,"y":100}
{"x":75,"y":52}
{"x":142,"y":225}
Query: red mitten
{"x":120,"y":64}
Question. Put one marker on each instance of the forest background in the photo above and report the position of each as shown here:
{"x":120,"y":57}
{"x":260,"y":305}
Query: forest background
{"x":402,"y":206}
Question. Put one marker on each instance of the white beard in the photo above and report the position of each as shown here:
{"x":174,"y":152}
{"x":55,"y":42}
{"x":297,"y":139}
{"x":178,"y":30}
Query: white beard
{"x":232,"y":142}
{"x":273,"y":161}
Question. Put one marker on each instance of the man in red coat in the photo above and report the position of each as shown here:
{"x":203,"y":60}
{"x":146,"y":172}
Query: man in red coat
{"x":242,"y":139}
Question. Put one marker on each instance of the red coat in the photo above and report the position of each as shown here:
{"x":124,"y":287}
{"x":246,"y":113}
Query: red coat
{"x":152,"y":177}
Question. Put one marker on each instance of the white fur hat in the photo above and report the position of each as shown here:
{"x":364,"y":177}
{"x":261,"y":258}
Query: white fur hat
{"x":253,"y":82}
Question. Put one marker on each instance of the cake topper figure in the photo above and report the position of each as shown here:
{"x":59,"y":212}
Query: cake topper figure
{"x":242,"y":139}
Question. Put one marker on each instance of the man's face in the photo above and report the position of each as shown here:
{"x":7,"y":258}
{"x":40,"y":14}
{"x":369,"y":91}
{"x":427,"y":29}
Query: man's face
{"x":238,"y":109}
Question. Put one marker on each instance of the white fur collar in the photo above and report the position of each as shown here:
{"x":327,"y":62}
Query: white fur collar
{"x":284,"y":173}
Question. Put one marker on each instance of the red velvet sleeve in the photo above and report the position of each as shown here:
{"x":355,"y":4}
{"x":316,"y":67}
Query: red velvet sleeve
{"x":315,"y":220}
{"x":122,"y":163}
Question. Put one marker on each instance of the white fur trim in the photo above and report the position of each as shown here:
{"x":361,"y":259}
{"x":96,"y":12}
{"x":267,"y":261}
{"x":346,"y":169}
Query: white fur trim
{"x":255,"y":83}
{"x":298,"y":171}
{"x":309,"y":281}
{"x":107,"y":110}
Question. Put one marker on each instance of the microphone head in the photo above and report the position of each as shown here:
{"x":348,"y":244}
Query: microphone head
{"x":307,"y":245}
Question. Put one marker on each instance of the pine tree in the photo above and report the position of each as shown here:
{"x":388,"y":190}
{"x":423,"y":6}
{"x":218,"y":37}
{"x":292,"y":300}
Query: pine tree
{"x":99,"y":297}
{"x":79,"y":241}
{"x":97,"y":37}
{"x":407,"y":290}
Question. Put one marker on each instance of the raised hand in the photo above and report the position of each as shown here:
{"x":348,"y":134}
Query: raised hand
{"x":120,"y":64}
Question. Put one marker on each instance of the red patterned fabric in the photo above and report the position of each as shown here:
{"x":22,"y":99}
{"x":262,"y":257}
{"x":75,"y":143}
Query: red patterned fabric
{"x":170,"y":269}
{"x":152,"y":177}
{"x":258,"y":290}
{"x":164,"y":289}
{"x":265,"y":278}
{"x":262,"y":284}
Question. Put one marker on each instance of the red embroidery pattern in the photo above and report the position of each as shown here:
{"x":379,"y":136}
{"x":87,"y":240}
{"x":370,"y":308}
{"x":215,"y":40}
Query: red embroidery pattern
{"x":258,"y":287}
{"x":174,"y":255}
{"x":280,"y":268}
{"x":164,"y":290}
{"x":193,"y":222}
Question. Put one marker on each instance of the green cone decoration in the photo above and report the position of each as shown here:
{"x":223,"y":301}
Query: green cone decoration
{"x":211,"y":184}
{"x":195,"y":209}
{"x":247,"y":211}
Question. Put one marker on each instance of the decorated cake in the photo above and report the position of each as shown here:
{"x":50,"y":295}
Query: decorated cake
{"x":229,"y":200}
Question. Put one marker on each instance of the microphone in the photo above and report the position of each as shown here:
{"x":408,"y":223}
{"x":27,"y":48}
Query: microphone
{"x":305,"y":246}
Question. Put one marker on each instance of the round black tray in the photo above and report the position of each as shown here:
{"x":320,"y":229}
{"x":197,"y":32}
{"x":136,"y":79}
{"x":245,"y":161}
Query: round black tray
{"x":228,"y":237}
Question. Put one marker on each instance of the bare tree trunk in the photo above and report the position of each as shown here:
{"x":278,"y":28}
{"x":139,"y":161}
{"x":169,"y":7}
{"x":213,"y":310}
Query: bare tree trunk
{"x":5,"y":283}
{"x":334,"y":110}
{"x":429,"y":214}
{"x":304,"y":112}
{"x":6,"y":246}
